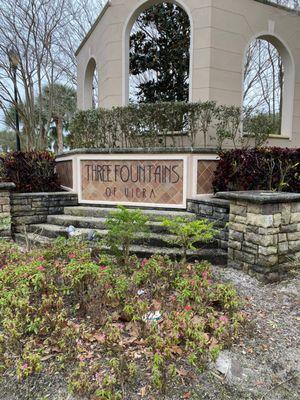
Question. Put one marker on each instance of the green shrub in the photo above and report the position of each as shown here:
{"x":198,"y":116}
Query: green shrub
{"x":187,"y":233}
{"x":124,"y":226}
{"x":265,"y":124}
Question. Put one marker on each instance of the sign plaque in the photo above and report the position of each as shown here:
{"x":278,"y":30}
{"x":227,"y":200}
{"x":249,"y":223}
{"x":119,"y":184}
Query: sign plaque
{"x":133,"y":181}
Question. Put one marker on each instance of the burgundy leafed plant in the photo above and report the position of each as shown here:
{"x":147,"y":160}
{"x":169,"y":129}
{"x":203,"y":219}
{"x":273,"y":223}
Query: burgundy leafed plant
{"x":32,"y":171}
{"x":266,"y":168}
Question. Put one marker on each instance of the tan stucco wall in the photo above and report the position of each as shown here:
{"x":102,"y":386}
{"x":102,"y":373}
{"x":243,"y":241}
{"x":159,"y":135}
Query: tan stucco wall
{"x":221,"y":33}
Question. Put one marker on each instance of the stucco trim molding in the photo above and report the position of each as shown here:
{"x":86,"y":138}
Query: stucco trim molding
{"x":103,"y":11}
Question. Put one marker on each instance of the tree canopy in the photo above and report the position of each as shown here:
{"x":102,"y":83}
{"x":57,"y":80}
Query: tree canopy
{"x":160,"y":55}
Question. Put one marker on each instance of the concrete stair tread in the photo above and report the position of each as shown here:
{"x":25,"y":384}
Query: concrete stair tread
{"x":104,"y":211}
{"x":102,"y":232}
{"x":174,"y":251}
{"x":70,"y":218}
{"x":213,"y":255}
{"x":94,"y":222}
{"x":158,"y":241}
{"x":47,"y":227}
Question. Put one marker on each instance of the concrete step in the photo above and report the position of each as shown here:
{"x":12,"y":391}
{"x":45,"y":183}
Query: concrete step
{"x":33,"y":239}
{"x":215,"y":256}
{"x":151,"y":239}
{"x":47,"y":230}
{"x":77,"y":222}
{"x":102,"y":212}
{"x":94,"y":222}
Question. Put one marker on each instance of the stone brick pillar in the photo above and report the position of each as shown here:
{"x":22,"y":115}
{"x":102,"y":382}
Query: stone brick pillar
{"x":264,"y":232}
{"x":5,"y":215}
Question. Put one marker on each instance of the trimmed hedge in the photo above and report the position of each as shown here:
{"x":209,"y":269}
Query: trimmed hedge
{"x":266,"y":168}
{"x":169,"y":124}
{"x":32,"y":171}
{"x":140,"y":125}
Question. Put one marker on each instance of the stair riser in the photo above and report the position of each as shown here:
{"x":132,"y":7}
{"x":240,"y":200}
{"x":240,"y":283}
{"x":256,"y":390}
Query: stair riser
{"x":213,"y":259}
{"x":151,"y":242}
{"x":47,"y":233}
{"x":95,"y":225}
{"x":20,"y":238}
{"x":146,"y":253}
{"x":77,"y":224}
{"x":52,"y":234}
{"x":103,"y":213}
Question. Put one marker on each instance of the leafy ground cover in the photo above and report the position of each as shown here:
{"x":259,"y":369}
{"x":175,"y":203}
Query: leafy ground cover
{"x":110,"y":328}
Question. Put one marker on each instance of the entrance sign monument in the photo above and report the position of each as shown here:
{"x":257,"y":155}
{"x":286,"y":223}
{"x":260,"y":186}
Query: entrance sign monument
{"x":162,"y":179}
{"x":221,"y":32}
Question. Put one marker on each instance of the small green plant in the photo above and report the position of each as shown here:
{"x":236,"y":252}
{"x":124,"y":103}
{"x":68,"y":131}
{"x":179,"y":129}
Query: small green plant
{"x":5,"y":222}
{"x":187,"y":233}
{"x":124,"y":226}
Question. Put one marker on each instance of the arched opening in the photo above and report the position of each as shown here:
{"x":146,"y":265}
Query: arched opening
{"x":158,"y":53}
{"x":268,"y":85}
{"x":91,"y":85}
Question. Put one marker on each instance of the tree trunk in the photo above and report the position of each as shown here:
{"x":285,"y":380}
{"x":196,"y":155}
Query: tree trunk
{"x":60,"y":137}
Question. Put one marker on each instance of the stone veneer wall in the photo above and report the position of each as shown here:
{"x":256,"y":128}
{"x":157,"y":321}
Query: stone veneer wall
{"x":264,"y":233}
{"x":33,"y":208}
{"x":5,"y":216}
{"x":215,"y":210}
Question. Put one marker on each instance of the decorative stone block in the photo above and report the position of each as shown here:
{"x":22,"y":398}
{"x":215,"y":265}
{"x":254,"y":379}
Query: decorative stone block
{"x":282,"y":237}
{"x":267,"y":251}
{"x":237,"y":236}
{"x":235,"y":245}
{"x":248,"y":248}
{"x":33,"y":208}
{"x":293,"y":236}
{"x":262,"y":240}
{"x":294,"y":246}
{"x":215,"y":210}
{"x":289,"y":228}
{"x":268,"y":232}
{"x":295,"y":217}
{"x":237,"y":227}
{"x":238,"y":210}
{"x":5,"y":210}
{"x":283,"y":248}
{"x":264,"y":221}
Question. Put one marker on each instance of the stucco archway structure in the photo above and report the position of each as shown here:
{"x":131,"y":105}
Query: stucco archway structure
{"x":221,"y":31}
{"x":90,"y":69}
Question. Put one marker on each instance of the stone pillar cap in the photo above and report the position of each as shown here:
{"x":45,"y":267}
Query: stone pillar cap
{"x":7,"y":186}
{"x":261,"y":196}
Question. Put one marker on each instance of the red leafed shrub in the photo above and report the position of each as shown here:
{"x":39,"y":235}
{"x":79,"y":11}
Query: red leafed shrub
{"x":32,"y":171}
{"x":266,"y":168}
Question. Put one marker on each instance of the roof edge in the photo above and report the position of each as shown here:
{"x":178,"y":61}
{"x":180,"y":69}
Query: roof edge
{"x":108,"y":4}
{"x":279,"y":6}
{"x":93,"y":27}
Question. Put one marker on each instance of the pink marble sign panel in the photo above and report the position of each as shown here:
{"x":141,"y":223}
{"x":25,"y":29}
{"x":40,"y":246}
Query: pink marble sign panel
{"x":136,"y":181}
